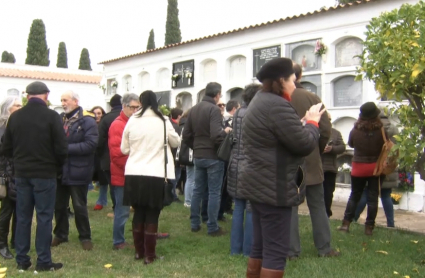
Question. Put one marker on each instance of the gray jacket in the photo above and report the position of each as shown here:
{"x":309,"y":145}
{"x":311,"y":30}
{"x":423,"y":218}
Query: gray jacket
{"x":338,"y":147}
{"x":275,"y":144}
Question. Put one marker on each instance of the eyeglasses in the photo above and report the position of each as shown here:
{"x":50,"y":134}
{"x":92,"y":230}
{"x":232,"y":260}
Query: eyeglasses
{"x":133,"y":107}
{"x":221,"y":105}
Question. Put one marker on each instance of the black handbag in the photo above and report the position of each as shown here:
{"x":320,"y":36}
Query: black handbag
{"x":168,"y":186}
{"x":184,"y":154}
{"x":225,"y":149}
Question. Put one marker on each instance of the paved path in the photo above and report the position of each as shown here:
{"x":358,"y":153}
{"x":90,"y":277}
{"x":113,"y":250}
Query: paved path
{"x":412,"y":221}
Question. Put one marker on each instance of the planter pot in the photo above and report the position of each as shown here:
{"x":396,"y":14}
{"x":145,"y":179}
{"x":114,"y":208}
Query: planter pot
{"x":174,"y":83}
{"x":396,"y":207}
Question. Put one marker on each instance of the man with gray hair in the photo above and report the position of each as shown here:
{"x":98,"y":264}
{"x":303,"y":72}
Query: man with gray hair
{"x":130,"y":105}
{"x":82,"y":135}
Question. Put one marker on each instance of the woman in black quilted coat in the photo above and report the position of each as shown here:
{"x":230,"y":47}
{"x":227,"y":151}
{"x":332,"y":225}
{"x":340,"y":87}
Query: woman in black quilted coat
{"x":241,"y":235}
{"x":8,"y":204}
{"x":270,"y":176}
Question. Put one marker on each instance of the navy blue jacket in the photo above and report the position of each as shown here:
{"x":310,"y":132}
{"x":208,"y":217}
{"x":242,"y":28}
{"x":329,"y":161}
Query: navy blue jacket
{"x":82,"y":139}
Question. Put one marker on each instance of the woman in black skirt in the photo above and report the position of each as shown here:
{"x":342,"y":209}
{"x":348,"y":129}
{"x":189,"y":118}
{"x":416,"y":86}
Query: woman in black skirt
{"x":143,"y":141}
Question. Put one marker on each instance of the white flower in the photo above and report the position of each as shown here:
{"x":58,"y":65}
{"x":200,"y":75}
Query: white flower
{"x":188,"y":74}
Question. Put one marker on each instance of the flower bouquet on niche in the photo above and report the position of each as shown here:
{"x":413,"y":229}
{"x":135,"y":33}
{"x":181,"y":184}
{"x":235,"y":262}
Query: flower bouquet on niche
{"x":175,"y":78}
{"x":114,"y":84}
{"x":395,"y":197}
{"x":320,"y":48}
{"x":405,"y":181}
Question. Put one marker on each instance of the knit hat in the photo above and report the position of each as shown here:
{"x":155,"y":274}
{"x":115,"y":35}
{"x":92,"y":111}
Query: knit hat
{"x":115,"y":100}
{"x":37,"y":88}
{"x":276,"y":68}
{"x":369,"y":111}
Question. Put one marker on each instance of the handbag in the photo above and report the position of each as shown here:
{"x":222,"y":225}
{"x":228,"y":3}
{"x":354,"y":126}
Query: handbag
{"x":3,"y":187}
{"x":225,"y":149}
{"x":168,"y":186}
{"x":184,"y":154}
{"x":386,"y":163}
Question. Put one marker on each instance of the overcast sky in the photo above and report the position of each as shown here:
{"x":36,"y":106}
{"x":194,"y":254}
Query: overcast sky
{"x":112,"y":28}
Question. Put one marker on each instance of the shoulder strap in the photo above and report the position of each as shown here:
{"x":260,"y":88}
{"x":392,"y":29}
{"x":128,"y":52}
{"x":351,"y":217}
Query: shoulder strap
{"x":165,"y":152}
{"x":383,"y":134}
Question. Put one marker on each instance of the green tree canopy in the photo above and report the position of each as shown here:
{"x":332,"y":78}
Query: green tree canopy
{"x":151,"y":41}
{"x":62,"y":61}
{"x":394,"y":59}
{"x":7,"y":57}
{"x":37,"y":51}
{"x":84,"y":60}
{"x":172,"y":26}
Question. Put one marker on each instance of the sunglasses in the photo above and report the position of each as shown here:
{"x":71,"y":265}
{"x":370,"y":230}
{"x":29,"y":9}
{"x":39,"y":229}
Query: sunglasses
{"x":221,"y":105}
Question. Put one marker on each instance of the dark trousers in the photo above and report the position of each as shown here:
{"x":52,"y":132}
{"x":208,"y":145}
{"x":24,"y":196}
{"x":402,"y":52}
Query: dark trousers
{"x":271,"y":235}
{"x":357,"y":186}
{"x":111,"y":188}
{"x":329,"y":189}
{"x":38,"y":193}
{"x":7,"y":211}
{"x":78,"y":196}
{"x":145,"y":215}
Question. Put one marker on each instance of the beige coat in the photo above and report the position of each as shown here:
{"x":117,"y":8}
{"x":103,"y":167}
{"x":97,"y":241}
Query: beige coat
{"x":143,"y":141}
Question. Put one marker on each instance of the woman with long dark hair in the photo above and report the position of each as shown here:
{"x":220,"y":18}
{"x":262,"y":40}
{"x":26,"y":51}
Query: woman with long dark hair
{"x":367,"y":140}
{"x":8,"y":204}
{"x":270,"y":176}
{"x":143,"y":141}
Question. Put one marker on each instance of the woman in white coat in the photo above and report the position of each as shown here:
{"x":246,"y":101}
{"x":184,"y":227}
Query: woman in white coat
{"x":143,"y":141}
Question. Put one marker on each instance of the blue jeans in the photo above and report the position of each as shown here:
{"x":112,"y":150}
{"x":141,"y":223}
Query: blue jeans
{"x":190,"y":183}
{"x":387,"y":203}
{"x":103,"y":192}
{"x":178,"y":172}
{"x":121,"y":214}
{"x":41,"y":194}
{"x":240,"y":236}
{"x":208,"y":173}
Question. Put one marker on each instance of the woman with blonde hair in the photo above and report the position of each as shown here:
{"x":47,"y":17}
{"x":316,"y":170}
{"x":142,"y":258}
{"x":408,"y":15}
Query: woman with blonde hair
{"x":8,"y":204}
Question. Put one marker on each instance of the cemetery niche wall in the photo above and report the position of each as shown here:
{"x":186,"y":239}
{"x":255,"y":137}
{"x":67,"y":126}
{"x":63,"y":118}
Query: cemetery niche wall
{"x":183,"y":74}
{"x":263,"y":55}
{"x":347,"y":92}
{"x":163,"y":98}
{"x":313,"y":83}
{"x":346,"y":52}
{"x":303,"y":54}
{"x":184,"y":101}
{"x":13,"y":93}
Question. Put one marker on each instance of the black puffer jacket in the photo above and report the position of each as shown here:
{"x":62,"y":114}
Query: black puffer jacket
{"x":6,"y":168}
{"x":275,"y":143}
{"x":237,"y":154}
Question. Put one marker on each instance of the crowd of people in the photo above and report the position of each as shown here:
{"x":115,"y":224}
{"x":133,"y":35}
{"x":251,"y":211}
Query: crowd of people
{"x":284,"y":151}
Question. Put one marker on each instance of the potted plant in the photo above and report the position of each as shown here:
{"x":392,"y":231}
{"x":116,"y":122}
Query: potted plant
{"x":395,"y":197}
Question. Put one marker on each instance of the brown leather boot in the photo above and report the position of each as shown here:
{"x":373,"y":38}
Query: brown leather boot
{"x":271,"y":273}
{"x":254,"y":268}
{"x":345,"y":227}
{"x":139,"y":240}
{"x":368,"y":230}
{"x":151,"y":231}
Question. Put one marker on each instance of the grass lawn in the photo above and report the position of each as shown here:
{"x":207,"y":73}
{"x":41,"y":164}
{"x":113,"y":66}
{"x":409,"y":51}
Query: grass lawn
{"x":193,"y":255}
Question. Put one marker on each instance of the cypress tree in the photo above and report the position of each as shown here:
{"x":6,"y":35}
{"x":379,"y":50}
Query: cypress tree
{"x":151,"y":41}
{"x":84,"y":60}
{"x":62,"y":61}
{"x":37,"y":51}
{"x":172,"y":26}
